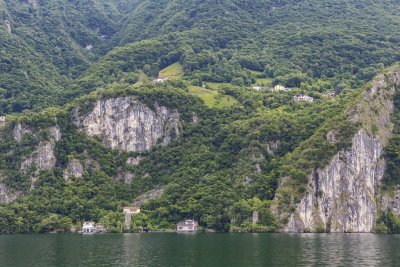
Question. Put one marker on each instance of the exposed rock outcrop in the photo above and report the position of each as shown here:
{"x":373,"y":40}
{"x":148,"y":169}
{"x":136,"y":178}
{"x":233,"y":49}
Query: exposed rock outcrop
{"x":77,"y":167}
{"x":7,"y":195}
{"x":153,"y":194}
{"x":129,"y":125}
{"x":134,"y":160}
{"x":7,"y":26}
{"x":20,"y":130}
{"x":125,"y":177}
{"x":342,"y":197}
{"x":43,"y":157}
{"x":74,"y":170}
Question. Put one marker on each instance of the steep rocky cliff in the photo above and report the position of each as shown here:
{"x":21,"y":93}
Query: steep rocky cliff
{"x":121,"y":123}
{"x":129,"y":125}
{"x":344,"y":195}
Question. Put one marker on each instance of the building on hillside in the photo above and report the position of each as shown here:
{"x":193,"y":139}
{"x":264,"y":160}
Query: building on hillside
{"x":89,"y":228}
{"x":129,"y":211}
{"x":160,"y":80}
{"x":306,"y":98}
{"x":257,"y":88}
{"x":187,"y":226}
{"x":278,"y":88}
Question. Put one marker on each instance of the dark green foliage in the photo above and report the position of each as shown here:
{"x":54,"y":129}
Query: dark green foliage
{"x":388,"y":222}
{"x":392,"y":150}
{"x":291,"y":42}
{"x":227,"y":162}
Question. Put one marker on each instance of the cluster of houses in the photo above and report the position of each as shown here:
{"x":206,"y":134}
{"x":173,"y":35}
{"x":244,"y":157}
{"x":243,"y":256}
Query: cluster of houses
{"x":276,"y":88}
{"x":186,"y":226}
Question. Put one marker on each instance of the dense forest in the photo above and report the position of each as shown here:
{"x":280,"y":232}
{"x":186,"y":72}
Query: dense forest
{"x":238,"y":138}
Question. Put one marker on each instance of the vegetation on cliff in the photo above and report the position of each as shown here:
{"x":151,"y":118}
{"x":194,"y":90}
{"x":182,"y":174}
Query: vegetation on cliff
{"x":239,"y":140}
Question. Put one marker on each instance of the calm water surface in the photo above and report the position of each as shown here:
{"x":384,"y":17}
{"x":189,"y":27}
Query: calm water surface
{"x":200,"y":250}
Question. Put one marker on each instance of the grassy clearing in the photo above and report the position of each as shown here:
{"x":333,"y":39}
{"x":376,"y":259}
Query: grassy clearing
{"x":264,"y":81}
{"x":212,"y":98}
{"x":172,"y":72}
{"x":216,"y":85}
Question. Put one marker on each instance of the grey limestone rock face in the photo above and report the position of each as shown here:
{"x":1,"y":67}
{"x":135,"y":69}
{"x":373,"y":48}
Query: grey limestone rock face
{"x":74,"y":170}
{"x":124,"y":123}
{"x":42,"y":158}
{"x":344,"y":195}
{"x":6,"y":195}
{"x":134,"y":161}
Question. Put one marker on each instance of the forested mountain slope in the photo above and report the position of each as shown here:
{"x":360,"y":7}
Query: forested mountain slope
{"x":44,"y":47}
{"x":89,"y":128}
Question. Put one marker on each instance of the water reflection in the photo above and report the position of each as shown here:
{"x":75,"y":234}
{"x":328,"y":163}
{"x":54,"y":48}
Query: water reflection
{"x":200,"y":250}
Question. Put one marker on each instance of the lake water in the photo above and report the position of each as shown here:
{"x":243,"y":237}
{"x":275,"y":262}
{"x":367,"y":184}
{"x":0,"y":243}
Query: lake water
{"x":200,"y":250}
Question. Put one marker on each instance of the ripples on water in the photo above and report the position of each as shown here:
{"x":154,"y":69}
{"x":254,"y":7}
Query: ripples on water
{"x":200,"y":250}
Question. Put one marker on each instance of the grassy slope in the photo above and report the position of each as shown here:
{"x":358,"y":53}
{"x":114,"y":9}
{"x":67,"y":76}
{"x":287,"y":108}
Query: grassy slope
{"x":212,"y":98}
{"x":172,"y":72}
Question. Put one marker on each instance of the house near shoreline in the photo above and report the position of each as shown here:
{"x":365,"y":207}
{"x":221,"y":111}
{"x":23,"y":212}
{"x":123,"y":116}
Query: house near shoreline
{"x":93,"y":228}
{"x":187,"y":226}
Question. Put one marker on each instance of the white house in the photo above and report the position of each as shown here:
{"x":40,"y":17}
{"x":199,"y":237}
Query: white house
{"x":160,"y":80}
{"x":303,"y":98}
{"x":257,"y":88}
{"x":187,"y":226}
{"x":89,"y":228}
{"x":279,"y":88}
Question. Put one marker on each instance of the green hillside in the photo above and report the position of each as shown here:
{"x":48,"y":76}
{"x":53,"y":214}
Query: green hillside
{"x":230,"y":146}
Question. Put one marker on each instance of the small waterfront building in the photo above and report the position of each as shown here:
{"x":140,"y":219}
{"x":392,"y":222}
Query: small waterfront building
{"x":89,"y":228}
{"x":129,"y":211}
{"x":187,"y":226}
